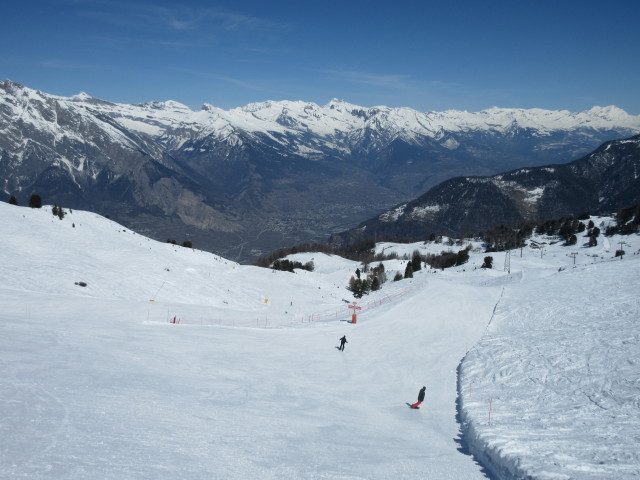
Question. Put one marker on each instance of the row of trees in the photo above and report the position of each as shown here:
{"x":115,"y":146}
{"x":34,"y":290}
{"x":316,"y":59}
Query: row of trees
{"x":627,"y":222}
{"x":503,"y":238}
{"x":449,"y":259}
{"x":286,"y":265}
{"x":186,"y":243}
{"x":35,"y":200}
{"x":360,"y":285}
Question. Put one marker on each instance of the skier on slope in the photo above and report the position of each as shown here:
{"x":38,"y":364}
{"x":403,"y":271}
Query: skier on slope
{"x":420,"y":398}
{"x":343,"y":340}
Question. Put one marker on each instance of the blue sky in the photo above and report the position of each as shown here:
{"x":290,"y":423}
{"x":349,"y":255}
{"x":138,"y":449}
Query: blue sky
{"x":467,"y":55}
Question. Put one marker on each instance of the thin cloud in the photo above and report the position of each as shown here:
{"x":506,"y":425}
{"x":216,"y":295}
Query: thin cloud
{"x":180,"y":19}
{"x":407,"y":84}
{"x":226,"y":79}
{"x":149,"y":41}
{"x":400,"y":82}
{"x":67,"y":65}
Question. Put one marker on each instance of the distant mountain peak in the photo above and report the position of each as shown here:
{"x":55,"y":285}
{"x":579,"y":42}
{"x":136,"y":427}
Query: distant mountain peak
{"x":81,"y":97}
{"x":611,"y":113}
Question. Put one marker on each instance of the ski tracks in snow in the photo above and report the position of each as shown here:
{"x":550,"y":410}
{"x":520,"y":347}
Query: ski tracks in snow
{"x":562,"y":377}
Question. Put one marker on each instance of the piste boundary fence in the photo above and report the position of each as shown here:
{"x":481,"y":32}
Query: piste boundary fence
{"x":339,"y":313}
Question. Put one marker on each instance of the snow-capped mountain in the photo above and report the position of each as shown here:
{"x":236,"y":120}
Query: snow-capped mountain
{"x":248,"y":180}
{"x":604,"y":181}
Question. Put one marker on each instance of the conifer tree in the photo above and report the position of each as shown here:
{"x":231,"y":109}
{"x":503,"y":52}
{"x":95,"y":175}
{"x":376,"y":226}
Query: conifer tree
{"x":416,"y":261}
{"x":356,"y":287}
{"x":408,"y":272}
{"x":35,"y":201}
{"x":366,"y":286}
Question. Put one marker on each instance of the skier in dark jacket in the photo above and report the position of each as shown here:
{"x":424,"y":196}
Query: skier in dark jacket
{"x":420,"y":398}
{"x":343,"y":340}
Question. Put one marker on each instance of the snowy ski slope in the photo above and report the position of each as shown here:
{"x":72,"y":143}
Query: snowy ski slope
{"x":96,"y":383}
{"x":560,"y":363}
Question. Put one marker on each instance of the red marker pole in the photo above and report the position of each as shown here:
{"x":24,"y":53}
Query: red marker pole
{"x":355,"y":307}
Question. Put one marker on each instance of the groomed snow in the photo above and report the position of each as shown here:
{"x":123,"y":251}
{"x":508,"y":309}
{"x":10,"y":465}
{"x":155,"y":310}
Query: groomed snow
{"x":560,"y":364}
{"x":96,"y":383}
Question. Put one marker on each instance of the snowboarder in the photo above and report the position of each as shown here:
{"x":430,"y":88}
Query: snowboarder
{"x":343,"y":340}
{"x":420,"y":398}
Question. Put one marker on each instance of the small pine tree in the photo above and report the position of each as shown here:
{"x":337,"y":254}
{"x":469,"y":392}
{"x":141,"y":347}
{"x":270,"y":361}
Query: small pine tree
{"x":408,"y":272}
{"x":398,"y":276}
{"x":35,"y":201}
{"x":356,"y":287}
{"x":379,"y":273}
{"x":375,"y":284}
{"x":58,"y":212}
{"x":13,"y":200}
{"x":462,"y":256}
{"x":352,"y":285}
{"x":416,"y":261}
{"x":366,"y":286}
{"x":488,"y":262}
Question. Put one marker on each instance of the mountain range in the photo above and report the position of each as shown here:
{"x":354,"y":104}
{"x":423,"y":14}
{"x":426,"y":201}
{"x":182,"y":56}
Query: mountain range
{"x":603,"y":181}
{"x":245,"y":181}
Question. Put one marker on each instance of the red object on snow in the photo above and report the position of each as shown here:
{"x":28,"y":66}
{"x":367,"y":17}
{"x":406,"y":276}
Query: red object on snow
{"x":355,"y":307}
